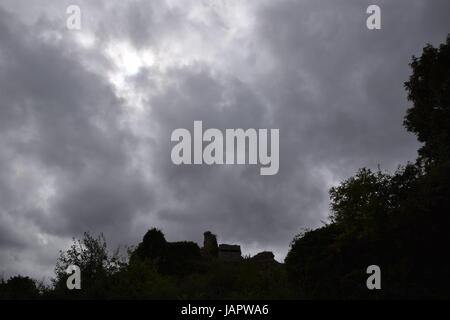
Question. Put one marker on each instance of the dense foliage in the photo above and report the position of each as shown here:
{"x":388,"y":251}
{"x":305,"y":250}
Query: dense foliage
{"x":400,"y":222}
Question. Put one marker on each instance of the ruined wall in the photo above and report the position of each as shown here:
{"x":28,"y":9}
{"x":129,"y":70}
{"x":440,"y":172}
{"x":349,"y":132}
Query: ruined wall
{"x":228,"y":252}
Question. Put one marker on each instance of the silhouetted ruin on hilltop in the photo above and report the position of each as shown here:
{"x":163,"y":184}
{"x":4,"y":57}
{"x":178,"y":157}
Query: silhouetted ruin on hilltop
{"x":232,"y":252}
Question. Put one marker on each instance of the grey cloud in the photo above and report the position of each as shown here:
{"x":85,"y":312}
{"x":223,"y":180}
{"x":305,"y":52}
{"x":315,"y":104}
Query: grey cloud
{"x":309,"y":68}
{"x":61,"y":123}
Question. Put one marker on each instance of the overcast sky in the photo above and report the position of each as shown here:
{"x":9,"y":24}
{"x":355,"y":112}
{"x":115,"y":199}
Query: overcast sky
{"x":86,"y":116}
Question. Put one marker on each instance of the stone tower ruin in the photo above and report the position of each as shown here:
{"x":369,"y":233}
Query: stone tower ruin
{"x":225,"y":252}
{"x":210,"y":247}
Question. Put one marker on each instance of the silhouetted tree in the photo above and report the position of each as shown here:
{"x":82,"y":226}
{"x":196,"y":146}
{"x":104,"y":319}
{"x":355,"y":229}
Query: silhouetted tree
{"x":19,"y":288}
{"x":174,"y":258}
{"x":400,"y":222}
{"x":96,"y":264}
{"x":153,"y":245}
{"x":429,"y":90}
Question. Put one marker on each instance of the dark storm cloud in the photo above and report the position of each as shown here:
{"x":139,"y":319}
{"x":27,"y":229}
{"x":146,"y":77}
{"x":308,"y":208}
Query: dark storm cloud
{"x":236,"y":201}
{"x":61,"y":122}
{"x":354,"y":102}
{"x":335,"y":90}
{"x":80,"y":152}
